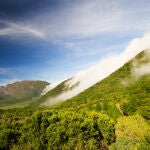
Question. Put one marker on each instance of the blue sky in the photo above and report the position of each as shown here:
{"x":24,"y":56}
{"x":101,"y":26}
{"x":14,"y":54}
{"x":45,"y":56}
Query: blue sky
{"x":54,"y":39}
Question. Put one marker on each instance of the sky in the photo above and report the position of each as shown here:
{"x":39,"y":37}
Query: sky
{"x":52,"y":40}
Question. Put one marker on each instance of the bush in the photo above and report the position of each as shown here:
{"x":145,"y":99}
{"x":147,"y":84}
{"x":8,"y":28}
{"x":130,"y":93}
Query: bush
{"x":130,"y":133}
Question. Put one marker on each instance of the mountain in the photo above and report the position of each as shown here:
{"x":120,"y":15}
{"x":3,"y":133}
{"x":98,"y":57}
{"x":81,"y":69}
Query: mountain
{"x":114,"y":92}
{"x":21,"y":91}
{"x":126,"y":91}
{"x":134,"y":69}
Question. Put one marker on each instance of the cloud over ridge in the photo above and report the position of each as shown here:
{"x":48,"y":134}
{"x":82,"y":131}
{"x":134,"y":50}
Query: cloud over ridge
{"x":102,"y":69}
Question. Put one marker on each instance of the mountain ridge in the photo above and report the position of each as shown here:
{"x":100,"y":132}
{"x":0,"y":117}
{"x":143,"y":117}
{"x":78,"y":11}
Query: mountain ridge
{"x":53,"y":99}
{"x":20,"y":91}
{"x":132,"y":97}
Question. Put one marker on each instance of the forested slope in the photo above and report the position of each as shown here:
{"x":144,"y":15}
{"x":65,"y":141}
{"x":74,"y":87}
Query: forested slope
{"x":124,"y":89}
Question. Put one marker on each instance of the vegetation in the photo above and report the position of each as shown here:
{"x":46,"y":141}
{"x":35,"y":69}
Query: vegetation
{"x":46,"y":129}
{"x":113,"y":114}
{"x":131,"y":133}
{"x":118,"y":93}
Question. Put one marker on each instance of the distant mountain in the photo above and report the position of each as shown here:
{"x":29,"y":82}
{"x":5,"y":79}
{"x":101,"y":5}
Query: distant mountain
{"x":21,"y":91}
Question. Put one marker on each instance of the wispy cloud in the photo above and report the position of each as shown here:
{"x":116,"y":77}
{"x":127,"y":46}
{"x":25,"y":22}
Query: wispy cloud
{"x":14,"y":29}
{"x":91,"y":18}
{"x":3,"y":71}
{"x":86,"y":18}
{"x":139,"y":70}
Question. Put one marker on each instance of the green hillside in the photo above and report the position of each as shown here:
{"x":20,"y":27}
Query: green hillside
{"x":120,"y":91}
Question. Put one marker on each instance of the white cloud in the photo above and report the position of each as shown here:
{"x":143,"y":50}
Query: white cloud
{"x":83,"y":19}
{"x":91,"y":18}
{"x":102,"y":69}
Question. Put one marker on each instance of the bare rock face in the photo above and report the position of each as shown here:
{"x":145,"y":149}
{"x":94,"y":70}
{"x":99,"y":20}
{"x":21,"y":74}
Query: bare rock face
{"x":24,"y":89}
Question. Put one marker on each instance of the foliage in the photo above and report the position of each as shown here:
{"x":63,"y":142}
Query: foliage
{"x":57,"y":130}
{"x":131,"y":133}
{"x":109,"y":114}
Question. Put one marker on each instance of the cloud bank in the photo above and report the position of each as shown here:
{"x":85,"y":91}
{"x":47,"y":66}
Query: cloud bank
{"x":103,"y":68}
